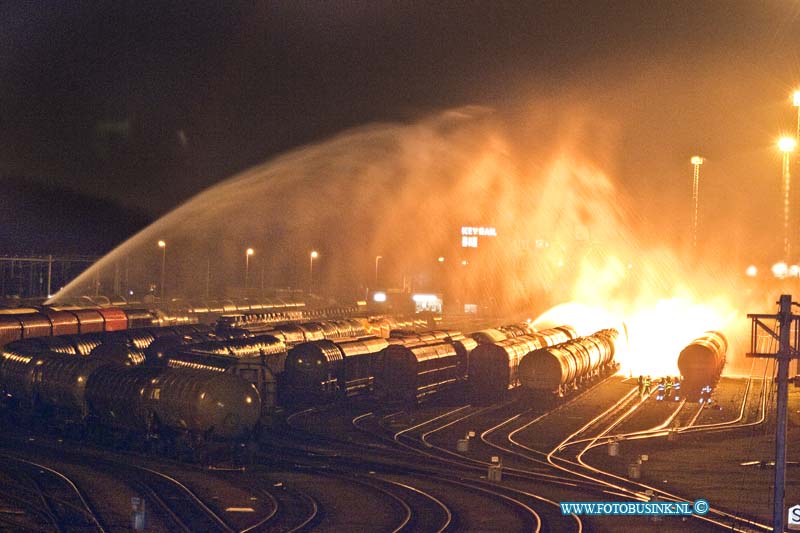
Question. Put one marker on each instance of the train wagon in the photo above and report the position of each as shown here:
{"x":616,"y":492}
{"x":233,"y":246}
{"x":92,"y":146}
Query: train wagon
{"x":493,"y":366}
{"x":123,"y":354}
{"x":701,"y":362}
{"x":114,"y":318}
{"x":63,"y":322}
{"x":48,"y":382}
{"x":271,"y":350}
{"x":320,"y":370}
{"x":556,"y":369}
{"x":149,"y":400}
{"x":413,"y":372}
{"x":10,"y":327}
{"x":250,"y":369}
{"x":488,"y":336}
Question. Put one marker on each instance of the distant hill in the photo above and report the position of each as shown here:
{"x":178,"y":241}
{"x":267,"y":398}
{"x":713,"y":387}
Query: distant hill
{"x":37,"y":218}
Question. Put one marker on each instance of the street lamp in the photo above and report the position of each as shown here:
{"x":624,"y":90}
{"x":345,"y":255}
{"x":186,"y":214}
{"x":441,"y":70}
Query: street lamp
{"x":696,"y":162}
{"x":247,"y":255}
{"x":163,"y":246}
{"x":377,"y":260}
{"x":786,"y":145}
{"x":313,"y":255}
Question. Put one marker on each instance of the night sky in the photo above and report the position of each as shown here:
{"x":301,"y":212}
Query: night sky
{"x":147,"y":103}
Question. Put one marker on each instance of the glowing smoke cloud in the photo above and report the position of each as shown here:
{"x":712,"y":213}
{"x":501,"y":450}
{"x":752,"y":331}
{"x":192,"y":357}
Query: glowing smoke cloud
{"x":402,"y":192}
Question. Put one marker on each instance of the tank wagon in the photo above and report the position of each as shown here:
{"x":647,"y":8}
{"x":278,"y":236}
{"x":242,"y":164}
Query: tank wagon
{"x":180,"y":401}
{"x":493,"y":367}
{"x":517,"y":330}
{"x":250,"y":369}
{"x":122,"y":354}
{"x":463,"y":345}
{"x":297,"y":332}
{"x":701,"y":361}
{"x":325,"y":370}
{"x":259,"y":361}
{"x":271,"y":350}
{"x":135,"y":339}
{"x":556,"y":369}
{"x":47,"y":382}
{"x":410,"y":373}
{"x":488,"y":336}
{"x":25,"y":323}
{"x":146,"y":400}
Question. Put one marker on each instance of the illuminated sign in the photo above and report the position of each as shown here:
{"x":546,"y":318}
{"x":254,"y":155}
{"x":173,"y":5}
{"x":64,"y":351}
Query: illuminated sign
{"x":479,"y":231}
{"x":470,"y":234}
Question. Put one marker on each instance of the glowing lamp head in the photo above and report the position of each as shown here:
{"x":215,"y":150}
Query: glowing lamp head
{"x":786,"y":144}
{"x":314,"y":254}
{"x":250,"y":251}
{"x":162,"y":244}
{"x":441,"y":259}
{"x":794,"y":271}
{"x":779,"y":270}
{"x":379,"y":297}
{"x":796,"y":99}
{"x":697,"y":160}
{"x":751,"y":271}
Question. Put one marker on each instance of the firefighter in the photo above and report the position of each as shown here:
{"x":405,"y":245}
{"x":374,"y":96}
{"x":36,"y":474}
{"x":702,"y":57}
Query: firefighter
{"x":660,"y":390}
{"x":676,"y":386}
{"x":705,"y":395}
{"x":647,"y":385}
{"x":641,"y":385}
{"x":668,"y":389}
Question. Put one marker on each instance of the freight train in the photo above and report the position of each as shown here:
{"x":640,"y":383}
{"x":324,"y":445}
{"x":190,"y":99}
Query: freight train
{"x":283,"y":366}
{"x":149,"y":401}
{"x":25,"y":323}
{"x":493,"y":366}
{"x":701,"y":362}
{"x":557,"y":369}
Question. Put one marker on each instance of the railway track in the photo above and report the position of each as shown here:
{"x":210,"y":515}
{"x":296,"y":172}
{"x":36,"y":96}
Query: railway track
{"x":50,"y":495}
{"x":636,"y":490}
{"x":178,"y":503}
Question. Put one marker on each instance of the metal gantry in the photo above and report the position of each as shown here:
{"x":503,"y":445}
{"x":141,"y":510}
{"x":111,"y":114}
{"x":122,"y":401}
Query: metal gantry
{"x":33,"y":276}
{"x":788,"y":342}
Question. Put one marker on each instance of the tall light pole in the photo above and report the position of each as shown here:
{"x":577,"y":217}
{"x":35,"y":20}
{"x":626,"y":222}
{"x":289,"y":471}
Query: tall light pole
{"x":247,"y":255}
{"x":163,"y":246}
{"x":786,"y":145}
{"x":377,"y":259}
{"x":313,"y":255}
{"x":796,"y":103}
{"x":696,"y":162}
